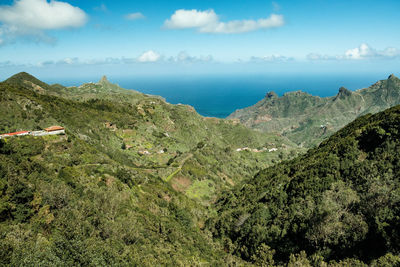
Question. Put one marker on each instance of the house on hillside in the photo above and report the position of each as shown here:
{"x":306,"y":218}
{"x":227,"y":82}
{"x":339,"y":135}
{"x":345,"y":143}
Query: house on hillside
{"x":21,"y":133}
{"x":55,"y":130}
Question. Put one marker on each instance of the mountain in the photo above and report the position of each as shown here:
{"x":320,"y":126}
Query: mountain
{"x":132,"y":181}
{"x":338,"y":202}
{"x":307,"y":120}
{"x":137,"y":181}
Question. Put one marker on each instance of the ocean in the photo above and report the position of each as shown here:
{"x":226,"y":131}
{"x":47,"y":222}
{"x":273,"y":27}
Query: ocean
{"x":220,"y":95}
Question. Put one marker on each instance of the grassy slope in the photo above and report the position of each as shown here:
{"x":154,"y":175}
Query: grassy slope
{"x":90,"y":198}
{"x":128,"y":119}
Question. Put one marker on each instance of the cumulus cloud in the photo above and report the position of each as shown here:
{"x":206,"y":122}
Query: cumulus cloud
{"x":134,"y":16}
{"x":149,"y":56}
{"x":364,"y":51}
{"x":32,"y":17}
{"x":208,"y":22}
{"x":40,"y":14}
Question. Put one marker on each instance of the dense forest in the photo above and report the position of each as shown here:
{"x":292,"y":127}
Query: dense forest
{"x":138,"y":181}
{"x":339,"y":201}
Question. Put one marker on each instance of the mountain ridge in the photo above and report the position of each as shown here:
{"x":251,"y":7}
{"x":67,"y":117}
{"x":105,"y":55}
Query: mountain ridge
{"x":298,"y":115}
{"x":131,"y":182}
{"x":138,"y":181}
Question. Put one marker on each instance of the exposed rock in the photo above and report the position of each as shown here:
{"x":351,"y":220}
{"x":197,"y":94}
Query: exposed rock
{"x":271,"y":95}
{"x":297,"y":114}
{"x":343,"y":93}
{"x":104,"y":79}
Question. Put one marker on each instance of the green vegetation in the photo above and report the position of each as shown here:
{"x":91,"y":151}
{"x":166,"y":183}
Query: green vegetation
{"x":307,"y":120}
{"x":132,"y":180}
{"x":138,"y":181}
{"x":339,"y":202}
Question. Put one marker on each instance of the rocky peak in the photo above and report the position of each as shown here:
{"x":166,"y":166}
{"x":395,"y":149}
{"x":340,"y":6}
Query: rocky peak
{"x":271,"y":95}
{"x":392,"y":77}
{"x":104,"y":79}
{"x":343,"y":92}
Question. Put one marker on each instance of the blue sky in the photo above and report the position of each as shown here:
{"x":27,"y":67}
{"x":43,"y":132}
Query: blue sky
{"x":59,"y":38}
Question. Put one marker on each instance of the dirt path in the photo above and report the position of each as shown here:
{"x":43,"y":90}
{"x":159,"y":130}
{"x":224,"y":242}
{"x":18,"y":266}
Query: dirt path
{"x":169,"y":177}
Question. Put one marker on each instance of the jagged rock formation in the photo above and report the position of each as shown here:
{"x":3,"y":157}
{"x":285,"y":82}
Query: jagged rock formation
{"x":300,"y":116}
{"x":104,"y":79}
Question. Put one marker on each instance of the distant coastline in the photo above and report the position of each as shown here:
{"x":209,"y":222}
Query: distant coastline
{"x":219,"y":96}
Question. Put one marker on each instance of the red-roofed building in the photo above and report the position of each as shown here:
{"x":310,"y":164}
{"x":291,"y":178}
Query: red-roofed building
{"x":54,"y":128}
{"x":21,"y":133}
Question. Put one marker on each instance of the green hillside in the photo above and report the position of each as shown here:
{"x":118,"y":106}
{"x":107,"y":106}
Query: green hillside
{"x":138,"y":181}
{"x":307,"y":119}
{"x":339,"y":201}
{"x":132,"y":182}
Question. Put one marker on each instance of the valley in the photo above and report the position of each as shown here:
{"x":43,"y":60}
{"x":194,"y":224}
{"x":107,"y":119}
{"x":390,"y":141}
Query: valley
{"x":135,"y":180}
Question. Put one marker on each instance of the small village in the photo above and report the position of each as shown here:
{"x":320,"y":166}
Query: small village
{"x":52,"y":130}
{"x":257,"y":150}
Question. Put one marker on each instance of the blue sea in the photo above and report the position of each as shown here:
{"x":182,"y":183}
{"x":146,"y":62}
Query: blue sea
{"x":220,"y":95}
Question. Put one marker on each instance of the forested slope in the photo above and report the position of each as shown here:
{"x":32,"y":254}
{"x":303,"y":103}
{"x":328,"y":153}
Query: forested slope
{"x":340,"y":200}
{"x":131,"y":181}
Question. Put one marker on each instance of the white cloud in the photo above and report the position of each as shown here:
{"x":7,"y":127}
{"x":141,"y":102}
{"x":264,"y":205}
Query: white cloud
{"x":149,"y":56}
{"x":272,"y":58}
{"x":316,"y":56}
{"x":364,"y":51}
{"x":70,"y":61}
{"x":182,"y":19}
{"x":208,"y":22}
{"x":134,"y":16}
{"x":32,"y":17}
{"x":42,"y":15}
{"x":184,"y":57}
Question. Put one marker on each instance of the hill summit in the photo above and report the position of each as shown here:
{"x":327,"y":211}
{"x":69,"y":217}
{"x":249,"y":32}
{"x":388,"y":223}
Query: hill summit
{"x":26,"y":80}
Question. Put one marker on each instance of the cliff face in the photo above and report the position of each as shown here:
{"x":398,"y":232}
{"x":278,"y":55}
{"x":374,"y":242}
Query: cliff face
{"x":299,"y":116}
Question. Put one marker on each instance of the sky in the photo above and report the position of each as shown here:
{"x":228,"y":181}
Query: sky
{"x":86,"y":38}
